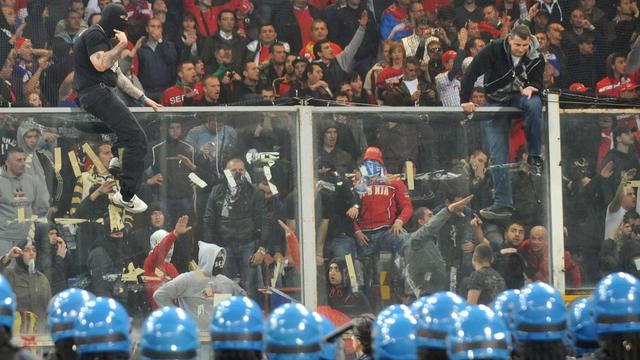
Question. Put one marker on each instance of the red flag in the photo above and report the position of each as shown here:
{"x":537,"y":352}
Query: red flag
{"x":293,"y":246}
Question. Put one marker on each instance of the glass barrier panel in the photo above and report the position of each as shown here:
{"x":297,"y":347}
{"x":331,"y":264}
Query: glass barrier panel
{"x":55,"y":207}
{"x":392,"y":221}
{"x":600,"y":159}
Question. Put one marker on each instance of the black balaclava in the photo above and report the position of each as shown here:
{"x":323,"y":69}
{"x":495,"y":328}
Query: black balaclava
{"x":111,"y":19}
{"x":218,"y":264}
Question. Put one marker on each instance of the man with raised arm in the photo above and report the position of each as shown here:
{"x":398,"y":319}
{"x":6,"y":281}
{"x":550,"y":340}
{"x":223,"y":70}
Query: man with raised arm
{"x":97,"y":74}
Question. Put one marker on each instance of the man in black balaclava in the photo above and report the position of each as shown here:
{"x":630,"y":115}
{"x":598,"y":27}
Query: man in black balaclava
{"x":97,"y":73}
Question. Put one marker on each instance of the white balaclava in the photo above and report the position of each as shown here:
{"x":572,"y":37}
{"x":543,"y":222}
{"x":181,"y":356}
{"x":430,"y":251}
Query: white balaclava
{"x":155,"y":239}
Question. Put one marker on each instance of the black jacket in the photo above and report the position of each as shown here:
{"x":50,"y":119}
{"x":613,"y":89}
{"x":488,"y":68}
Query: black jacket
{"x":176,"y":184}
{"x":288,"y":28}
{"x":237,"y":223}
{"x":495,"y":62}
{"x":211,"y":44}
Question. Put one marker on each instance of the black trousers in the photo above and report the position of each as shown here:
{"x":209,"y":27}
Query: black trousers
{"x":103,"y":103}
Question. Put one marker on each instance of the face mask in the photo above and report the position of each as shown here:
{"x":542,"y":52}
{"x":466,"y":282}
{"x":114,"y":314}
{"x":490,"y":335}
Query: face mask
{"x":111,"y":19}
{"x":217,"y":265}
{"x":373,"y":168}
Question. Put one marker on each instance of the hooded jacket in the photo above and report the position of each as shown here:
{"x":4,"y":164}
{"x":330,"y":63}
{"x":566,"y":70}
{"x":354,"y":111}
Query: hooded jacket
{"x":341,"y":297}
{"x":496,"y":63}
{"x":40,"y":165}
{"x":24,"y":192}
{"x":33,"y":291}
{"x":195,"y":291}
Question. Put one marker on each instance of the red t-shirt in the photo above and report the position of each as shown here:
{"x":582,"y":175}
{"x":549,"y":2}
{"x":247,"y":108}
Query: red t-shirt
{"x":388,"y":73}
{"x":304,"y":19}
{"x":174,"y":96}
{"x":264,"y":54}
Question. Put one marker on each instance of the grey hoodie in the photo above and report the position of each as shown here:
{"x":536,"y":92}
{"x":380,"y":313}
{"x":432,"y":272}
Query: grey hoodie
{"x":194,"y":290}
{"x":25,"y":192}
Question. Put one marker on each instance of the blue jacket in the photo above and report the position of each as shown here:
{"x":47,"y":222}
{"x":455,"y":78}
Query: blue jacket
{"x":157,"y":68}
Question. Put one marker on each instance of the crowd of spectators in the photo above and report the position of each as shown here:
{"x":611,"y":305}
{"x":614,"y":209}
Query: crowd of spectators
{"x":218,"y":185}
{"x":207,"y":52}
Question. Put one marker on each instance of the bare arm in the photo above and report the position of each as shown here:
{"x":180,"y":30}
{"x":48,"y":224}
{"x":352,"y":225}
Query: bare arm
{"x":472,"y":296}
{"x":123,"y":83}
{"x":104,"y":60}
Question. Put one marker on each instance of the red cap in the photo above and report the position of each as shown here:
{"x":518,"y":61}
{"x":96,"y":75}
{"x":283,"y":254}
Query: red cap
{"x":578,"y":87}
{"x":448,"y":55}
{"x":373,"y":153}
{"x":20,"y":41}
{"x":629,"y":86}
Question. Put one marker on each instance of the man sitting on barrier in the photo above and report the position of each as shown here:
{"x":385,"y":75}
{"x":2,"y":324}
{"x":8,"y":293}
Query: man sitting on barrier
{"x":512,"y":70}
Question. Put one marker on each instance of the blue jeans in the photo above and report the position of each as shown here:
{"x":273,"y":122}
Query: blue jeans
{"x":238,"y":264}
{"x":379,"y":240}
{"x":497,"y":137}
{"x":339,"y":246}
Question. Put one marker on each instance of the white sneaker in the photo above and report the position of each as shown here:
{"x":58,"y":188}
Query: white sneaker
{"x":135,"y":205}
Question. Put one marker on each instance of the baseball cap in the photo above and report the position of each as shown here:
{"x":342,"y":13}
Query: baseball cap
{"x":621,"y":129}
{"x":578,"y":87}
{"x":448,"y":55}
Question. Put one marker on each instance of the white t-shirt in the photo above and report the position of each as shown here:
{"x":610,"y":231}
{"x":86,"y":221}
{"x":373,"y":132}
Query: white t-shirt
{"x":412,"y":85}
{"x":612,"y":221}
{"x":516,"y":60}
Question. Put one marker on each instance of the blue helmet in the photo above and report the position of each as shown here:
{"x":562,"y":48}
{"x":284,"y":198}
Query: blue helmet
{"x":63,"y":311}
{"x":293,"y":333}
{"x":616,"y":304}
{"x":7,"y":303}
{"x":435,"y":315}
{"x":169,"y":333}
{"x":582,"y":327}
{"x":478,"y":333}
{"x":540,"y":314}
{"x":102,"y":326}
{"x":329,"y":350}
{"x":504,"y":304}
{"x":394,"y":334}
{"x":237,"y":324}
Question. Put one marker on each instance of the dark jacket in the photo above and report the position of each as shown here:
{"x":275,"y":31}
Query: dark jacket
{"x":512,"y":267}
{"x":157,"y":69}
{"x":211,"y":44}
{"x":495,"y":62}
{"x":288,"y":28}
{"x":425,"y":271}
{"x":344,"y":27}
{"x":32,"y":291}
{"x":175,"y":183}
{"x":342,"y":297}
{"x":231,"y":221}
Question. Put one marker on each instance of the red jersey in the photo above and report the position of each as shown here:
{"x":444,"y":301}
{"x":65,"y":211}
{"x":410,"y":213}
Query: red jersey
{"x":382,"y":204}
{"x":174,"y":96}
{"x":611,"y":87}
{"x":539,"y":264}
{"x":156,"y":267}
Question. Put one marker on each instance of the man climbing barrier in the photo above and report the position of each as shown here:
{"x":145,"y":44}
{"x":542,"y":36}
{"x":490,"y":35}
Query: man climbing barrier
{"x":96,"y":75}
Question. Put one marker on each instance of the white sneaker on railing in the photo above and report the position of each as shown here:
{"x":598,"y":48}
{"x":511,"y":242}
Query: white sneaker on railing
{"x":135,"y":205}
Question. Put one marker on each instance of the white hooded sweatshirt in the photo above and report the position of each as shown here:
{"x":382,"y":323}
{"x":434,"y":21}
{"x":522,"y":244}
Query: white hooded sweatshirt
{"x":194,"y":291}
